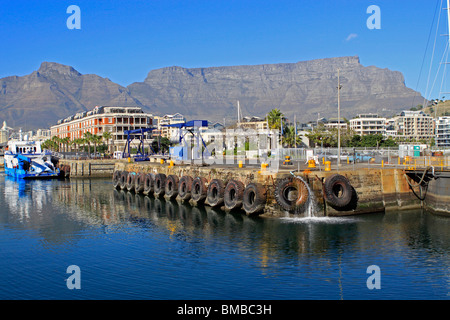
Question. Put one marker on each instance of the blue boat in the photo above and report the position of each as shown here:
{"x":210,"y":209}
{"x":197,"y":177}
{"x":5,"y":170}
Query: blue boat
{"x":26,"y":160}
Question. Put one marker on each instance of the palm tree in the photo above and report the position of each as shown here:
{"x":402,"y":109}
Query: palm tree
{"x":289,"y":137}
{"x":274,"y":118}
{"x":65,"y":142}
{"x":50,"y":144}
{"x":107,"y":135}
{"x":87,"y":139}
{"x":57,"y":140}
{"x":96,"y":140}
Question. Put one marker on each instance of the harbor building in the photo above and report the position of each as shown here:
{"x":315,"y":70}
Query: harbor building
{"x":115,"y":120}
{"x":5,"y":131}
{"x":365,"y":124}
{"x":443,"y":132}
{"x":255,"y":123}
{"x":414,"y":125}
{"x":336,"y":123}
{"x":161,"y":123}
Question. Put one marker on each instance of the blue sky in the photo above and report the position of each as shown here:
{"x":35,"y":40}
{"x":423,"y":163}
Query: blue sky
{"x":124,"y":40}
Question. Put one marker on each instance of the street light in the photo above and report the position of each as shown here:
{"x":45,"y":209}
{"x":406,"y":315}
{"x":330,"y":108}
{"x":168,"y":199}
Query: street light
{"x":339,"y":122}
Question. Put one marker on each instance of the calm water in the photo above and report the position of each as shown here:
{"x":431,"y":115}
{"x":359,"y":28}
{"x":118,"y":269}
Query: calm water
{"x":136,"y":247}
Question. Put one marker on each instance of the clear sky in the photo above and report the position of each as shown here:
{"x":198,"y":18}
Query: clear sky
{"x":124,"y":40}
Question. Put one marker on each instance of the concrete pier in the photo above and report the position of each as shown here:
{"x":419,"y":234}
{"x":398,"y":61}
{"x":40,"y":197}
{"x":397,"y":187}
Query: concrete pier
{"x":373,"y":189}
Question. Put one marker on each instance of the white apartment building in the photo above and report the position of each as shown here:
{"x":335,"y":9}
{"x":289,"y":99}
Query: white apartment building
{"x":168,"y":132}
{"x":365,"y":124}
{"x":255,"y":123}
{"x":335,"y":123}
{"x":414,"y":125}
{"x":443,"y":132}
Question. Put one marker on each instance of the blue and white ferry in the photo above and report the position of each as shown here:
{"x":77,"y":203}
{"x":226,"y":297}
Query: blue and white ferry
{"x":25,"y":160}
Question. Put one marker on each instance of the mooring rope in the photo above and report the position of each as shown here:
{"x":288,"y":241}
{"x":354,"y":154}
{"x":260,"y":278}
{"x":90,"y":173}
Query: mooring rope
{"x":419,"y":185}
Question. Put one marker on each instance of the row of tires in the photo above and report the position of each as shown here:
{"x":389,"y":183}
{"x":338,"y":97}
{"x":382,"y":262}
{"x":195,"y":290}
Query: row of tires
{"x":291,"y":194}
{"x":232,"y":194}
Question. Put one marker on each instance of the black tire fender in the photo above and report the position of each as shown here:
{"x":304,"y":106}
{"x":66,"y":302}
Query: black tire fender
{"x":148,"y":183}
{"x":254,"y":198}
{"x":233,"y":194}
{"x":291,"y":194}
{"x":123,"y":180}
{"x":215,"y":193}
{"x":184,"y":188}
{"x":159,"y":184}
{"x":130,"y":181}
{"x":337,"y":191}
{"x":139,"y":182}
{"x":171,"y":186}
{"x":116,"y":179}
{"x":199,"y":189}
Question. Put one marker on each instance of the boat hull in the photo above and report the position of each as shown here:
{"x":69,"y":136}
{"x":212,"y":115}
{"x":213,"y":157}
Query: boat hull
{"x":22,"y":174}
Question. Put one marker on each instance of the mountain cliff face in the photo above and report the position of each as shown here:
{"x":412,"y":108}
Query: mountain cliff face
{"x":53,"y":92}
{"x":304,"y":89}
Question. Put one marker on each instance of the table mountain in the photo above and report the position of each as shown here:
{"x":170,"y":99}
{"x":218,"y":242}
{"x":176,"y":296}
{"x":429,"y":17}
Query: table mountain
{"x":304,"y":89}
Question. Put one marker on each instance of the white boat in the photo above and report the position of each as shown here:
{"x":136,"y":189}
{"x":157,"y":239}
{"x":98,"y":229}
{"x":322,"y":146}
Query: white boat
{"x":26,"y":160}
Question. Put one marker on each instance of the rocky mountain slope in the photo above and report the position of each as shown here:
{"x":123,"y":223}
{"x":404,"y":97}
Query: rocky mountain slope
{"x":53,"y":92}
{"x":304,"y":89}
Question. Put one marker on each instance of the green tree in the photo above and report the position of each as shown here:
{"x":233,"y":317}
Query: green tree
{"x":164,"y":143}
{"x":88,"y":140}
{"x":290,"y":139}
{"x":107,"y":136}
{"x":57,"y":140}
{"x":65,"y":142}
{"x":274,"y":118}
{"x":50,"y":144}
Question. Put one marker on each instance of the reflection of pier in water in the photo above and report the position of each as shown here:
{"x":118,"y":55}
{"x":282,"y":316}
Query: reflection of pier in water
{"x":60,"y":211}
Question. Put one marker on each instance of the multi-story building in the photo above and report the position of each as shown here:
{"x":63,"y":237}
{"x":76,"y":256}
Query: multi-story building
{"x":414,"y":125}
{"x":103,"y":119}
{"x":335,"y":123}
{"x":443,"y":132}
{"x":5,"y":131}
{"x":364,"y":124}
{"x":170,"y":133}
{"x":255,"y":123}
{"x":41,"y":135}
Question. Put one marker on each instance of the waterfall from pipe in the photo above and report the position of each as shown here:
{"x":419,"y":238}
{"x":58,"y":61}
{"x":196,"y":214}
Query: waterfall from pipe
{"x":311,"y":206}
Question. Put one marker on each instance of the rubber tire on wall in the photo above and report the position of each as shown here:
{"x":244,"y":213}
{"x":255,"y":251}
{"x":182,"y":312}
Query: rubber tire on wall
{"x":330,"y":188}
{"x":254,"y":199}
{"x":139,"y":182}
{"x":159,"y":185}
{"x":171,"y":186}
{"x":215,"y":193}
{"x":233,"y":194}
{"x":116,"y":179}
{"x":123,"y":180}
{"x":130,"y":181}
{"x":184,"y":188}
{"x":148,"y":183}
{"x":284,"y":186}
{"x":198,"y":189}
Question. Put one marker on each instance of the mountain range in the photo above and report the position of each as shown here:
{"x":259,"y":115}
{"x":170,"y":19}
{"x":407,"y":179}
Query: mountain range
{"x":307,"y":89}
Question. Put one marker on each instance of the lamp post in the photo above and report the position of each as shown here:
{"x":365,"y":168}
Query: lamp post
{"x":339,"y":122}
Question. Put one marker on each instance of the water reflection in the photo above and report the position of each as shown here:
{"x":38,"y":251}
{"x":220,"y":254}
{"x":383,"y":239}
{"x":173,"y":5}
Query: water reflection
{"x":93,"y":203}
{"x":61,"y":213}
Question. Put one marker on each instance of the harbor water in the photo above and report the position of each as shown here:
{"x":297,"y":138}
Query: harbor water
{"x":130,"y":246}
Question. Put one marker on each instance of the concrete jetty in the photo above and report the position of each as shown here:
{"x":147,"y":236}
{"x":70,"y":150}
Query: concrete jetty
{"x":287,"y":191}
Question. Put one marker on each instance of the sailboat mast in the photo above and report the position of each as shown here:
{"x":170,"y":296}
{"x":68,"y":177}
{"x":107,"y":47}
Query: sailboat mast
{"x":239,"y":111}
{"x":448,"y":19}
